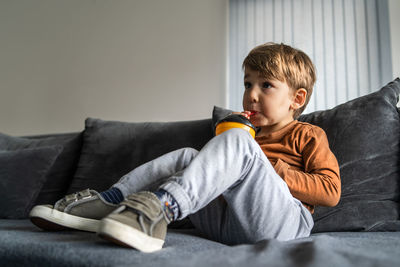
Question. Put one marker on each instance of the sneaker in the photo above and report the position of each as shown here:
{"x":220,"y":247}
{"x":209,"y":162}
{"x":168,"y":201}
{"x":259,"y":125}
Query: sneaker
{"x":139,"y":222}
{"x":79,"y":211}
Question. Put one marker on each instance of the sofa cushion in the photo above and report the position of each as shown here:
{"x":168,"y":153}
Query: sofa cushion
{"x":60,"y":175}
{"x":23,"y":244}
{"x":22,"y":175}
{"x":111,"y":148}
{"x":364,"y":135}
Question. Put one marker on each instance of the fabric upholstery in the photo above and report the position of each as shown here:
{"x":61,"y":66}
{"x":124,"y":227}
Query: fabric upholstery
{"x":22,"y":175}
{"x":23,"y":244}
{"x":364,"y":135}
{"x":60,"y":175}
{"x":111,"y":148}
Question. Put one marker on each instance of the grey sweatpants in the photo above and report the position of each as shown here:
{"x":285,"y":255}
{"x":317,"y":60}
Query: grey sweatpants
{"x":257,"y":206}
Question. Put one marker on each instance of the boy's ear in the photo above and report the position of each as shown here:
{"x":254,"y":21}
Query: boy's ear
{"x":299,"y":98}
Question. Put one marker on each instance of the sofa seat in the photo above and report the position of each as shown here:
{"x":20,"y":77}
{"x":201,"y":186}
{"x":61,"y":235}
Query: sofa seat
{"x":22,"y":244}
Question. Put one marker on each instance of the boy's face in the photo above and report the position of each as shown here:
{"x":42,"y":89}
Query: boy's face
{"x":272,"y":100}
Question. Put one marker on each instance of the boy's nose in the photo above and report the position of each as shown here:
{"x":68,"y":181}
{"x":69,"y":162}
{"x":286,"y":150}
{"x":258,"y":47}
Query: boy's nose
{"x":254,"y":95}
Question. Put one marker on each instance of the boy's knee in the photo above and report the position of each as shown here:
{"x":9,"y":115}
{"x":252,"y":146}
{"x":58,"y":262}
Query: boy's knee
{"x":241,"y":139}
{"x":239,"y":134}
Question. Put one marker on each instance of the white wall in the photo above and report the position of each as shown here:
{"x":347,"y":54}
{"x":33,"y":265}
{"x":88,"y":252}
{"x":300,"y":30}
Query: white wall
{"x":394,"y":11}
{"x":130,"y":60}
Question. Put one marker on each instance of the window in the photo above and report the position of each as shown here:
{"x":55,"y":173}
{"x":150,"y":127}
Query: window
{"x":348,"y":41}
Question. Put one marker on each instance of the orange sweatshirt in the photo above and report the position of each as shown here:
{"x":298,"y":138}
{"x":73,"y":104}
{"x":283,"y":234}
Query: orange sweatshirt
{"x":300,"y":154}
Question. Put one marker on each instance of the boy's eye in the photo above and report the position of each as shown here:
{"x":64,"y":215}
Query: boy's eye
{"x":266,"y":85}
{"x":247,"y":85}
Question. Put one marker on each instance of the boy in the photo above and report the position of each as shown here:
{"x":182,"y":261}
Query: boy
{"x":236,"y":189}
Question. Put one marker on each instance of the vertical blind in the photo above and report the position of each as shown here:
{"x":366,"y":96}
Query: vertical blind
{"x":348,"y":41}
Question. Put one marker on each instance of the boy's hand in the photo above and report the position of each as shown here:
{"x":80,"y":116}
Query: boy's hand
{"x":245,"y":113}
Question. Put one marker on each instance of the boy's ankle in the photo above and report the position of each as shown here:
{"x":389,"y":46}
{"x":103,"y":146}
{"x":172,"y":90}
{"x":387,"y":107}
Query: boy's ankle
{"x":112,"y":195}
{"x":169,"y":204}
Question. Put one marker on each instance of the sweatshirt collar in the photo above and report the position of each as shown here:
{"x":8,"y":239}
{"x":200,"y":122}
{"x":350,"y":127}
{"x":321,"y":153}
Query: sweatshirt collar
{"x":278,"y":134}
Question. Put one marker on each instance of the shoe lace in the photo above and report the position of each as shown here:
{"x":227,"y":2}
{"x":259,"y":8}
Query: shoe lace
{"x":135,"y":205}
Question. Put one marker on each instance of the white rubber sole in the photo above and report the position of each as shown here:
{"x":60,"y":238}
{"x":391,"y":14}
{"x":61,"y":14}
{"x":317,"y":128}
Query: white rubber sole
{"x":51,"y":219}
{"x":126,"y":235}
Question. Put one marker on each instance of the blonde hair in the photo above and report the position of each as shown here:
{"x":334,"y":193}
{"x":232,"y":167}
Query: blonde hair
{"x":283,"y":63}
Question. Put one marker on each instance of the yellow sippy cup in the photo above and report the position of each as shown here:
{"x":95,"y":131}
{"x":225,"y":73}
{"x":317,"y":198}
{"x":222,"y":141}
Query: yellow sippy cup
{"x":235,"y":121}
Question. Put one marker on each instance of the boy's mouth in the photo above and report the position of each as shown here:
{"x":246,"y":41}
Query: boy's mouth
{"x":253,"y":112}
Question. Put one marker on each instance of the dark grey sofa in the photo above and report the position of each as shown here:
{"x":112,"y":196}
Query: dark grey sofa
{"x":362,"y":230}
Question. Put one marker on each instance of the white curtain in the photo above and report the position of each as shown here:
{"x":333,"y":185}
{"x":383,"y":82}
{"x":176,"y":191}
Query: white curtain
{"x":348,"y":41}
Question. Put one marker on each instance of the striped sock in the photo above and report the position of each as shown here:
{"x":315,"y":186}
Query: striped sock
{"x":112,"y":195}
{"x":169,"y":204}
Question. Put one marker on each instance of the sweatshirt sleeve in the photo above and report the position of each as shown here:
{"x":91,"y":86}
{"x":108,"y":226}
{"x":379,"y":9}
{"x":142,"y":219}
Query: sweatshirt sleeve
{"x":319,"y":183}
